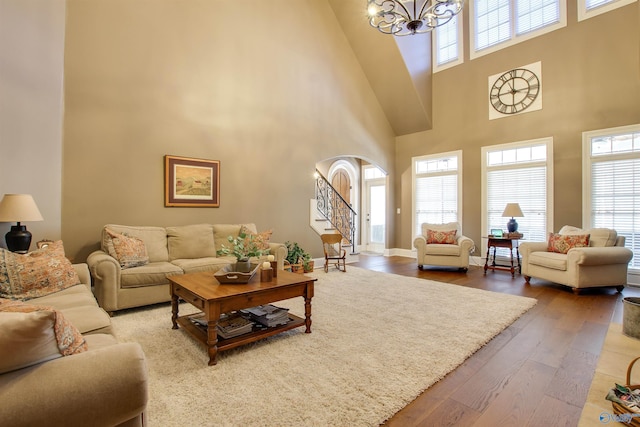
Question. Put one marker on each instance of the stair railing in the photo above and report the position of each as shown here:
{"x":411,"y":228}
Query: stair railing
{"x":335,"y":209}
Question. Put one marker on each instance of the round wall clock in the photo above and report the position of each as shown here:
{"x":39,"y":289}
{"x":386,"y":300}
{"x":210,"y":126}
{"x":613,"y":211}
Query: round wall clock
{"x":514,"y":91}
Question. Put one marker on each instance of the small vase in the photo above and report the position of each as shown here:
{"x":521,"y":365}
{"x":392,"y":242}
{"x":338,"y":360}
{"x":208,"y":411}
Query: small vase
{"x":243,"y":265}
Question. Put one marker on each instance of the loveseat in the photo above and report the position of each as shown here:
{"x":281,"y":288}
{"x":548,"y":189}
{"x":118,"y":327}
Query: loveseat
{"x":101,"y":382}
{"x":443,"y":245}
{"x":125,"y":279}
{"x":578,"y":258}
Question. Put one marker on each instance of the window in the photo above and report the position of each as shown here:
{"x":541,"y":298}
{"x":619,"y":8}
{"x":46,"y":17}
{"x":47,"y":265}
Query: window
{"x":373,"y":172}
{"x":447,"y":44}
{"x":520,"y":173}
{"x":496,"y":24}
{"x":437,"y":189}
{"x":590,"y":8}
{"x":611,"y":184}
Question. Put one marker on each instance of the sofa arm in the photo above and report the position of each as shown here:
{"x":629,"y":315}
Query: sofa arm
{"x":82,"y":269}
{"x":466,"y":244}
{"x":102,"y":387}
{"x":105,"y":271}
{"x":279,"y":251}
{"x":420,"y":243}
{"x":599,"y":255}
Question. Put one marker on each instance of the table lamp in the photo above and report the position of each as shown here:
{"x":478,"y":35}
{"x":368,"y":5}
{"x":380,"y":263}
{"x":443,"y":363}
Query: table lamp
{"x":512,"y":210}
{"x":18,"y":208}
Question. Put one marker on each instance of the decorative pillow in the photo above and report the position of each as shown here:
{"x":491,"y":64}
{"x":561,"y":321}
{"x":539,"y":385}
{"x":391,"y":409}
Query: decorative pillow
{"x":442,"y":237}
{"x":36,"y":274}
{"x":561,"y":243}
{"x":261,"y":240}
{"x":129,"y":251}
{"x":35,"y":334}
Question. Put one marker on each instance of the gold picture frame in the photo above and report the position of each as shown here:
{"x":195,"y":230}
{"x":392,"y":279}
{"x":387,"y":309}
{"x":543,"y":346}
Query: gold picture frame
{"x":190,"y":182}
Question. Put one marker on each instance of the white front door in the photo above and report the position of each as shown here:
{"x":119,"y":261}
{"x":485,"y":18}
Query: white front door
{"x":375,"y":215}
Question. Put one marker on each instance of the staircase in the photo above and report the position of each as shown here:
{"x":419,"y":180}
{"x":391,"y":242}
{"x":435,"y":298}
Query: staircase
{"x":330,"y":213}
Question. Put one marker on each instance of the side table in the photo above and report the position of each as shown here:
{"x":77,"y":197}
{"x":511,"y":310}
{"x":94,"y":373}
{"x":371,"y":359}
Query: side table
{"x":502,"y":242}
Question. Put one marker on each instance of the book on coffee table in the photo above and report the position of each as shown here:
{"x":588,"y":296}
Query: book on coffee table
{"x":234,"y":326}
{"x":268,"y":315}
{"x":229,"y":325}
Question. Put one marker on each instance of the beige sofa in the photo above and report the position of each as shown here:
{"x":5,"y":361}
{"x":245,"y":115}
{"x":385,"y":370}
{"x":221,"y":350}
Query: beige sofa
{"x":171,"y":250}
{"x":603,"y":263}
{"x":103,"y":386}
{"x":454,"y":254}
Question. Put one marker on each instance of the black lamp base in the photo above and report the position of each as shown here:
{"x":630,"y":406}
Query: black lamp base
{"x":18,"y":239}
{"x":512,"y":226}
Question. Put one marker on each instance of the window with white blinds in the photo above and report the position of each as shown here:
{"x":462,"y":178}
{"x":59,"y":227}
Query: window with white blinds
{"x":437,"y":189}
{"x":496,"y":24}
{"x":519,"y":173}
{"x":447,"y":44}
{"x":612,"y":184}
{"x":591,"y":8}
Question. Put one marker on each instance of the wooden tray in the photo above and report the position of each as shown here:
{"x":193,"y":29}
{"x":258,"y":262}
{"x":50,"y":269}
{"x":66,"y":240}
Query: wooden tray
{"x":230,"y":274}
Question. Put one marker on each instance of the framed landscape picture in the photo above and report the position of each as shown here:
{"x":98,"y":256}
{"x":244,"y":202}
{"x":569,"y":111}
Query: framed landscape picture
{"x":191,"y":182}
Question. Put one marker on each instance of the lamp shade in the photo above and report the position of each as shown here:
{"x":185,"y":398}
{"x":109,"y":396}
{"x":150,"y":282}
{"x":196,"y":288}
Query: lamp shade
{"x":19,"y":208}
{"x":512,"y":210}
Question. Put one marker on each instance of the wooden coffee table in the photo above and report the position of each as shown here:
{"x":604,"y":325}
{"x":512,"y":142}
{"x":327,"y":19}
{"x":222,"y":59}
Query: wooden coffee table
{"x":203,"y":291}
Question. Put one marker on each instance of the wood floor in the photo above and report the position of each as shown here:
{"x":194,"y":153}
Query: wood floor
{"x":537,"y":372}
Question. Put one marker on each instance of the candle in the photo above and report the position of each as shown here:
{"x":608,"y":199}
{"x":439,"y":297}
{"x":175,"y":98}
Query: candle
{"x":271,"y":258}
{"x":266,"y":265}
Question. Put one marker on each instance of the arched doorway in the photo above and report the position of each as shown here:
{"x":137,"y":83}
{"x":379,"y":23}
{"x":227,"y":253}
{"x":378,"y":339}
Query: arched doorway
{"x":342,"y":176}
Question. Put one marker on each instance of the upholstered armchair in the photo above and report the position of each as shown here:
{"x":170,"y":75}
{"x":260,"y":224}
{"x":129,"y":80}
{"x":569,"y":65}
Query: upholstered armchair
{"x":443,"y":245}
{"x":578,"y":258}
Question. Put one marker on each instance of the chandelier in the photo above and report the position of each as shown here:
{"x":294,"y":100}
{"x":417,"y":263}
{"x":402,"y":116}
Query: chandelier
{"x":402,"y":18}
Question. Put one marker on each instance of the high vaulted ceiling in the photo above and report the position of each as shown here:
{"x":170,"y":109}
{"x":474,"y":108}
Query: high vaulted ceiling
{"x":398,"y":68}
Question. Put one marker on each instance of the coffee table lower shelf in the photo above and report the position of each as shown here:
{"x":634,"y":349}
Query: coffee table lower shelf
{"x":223,"y":344}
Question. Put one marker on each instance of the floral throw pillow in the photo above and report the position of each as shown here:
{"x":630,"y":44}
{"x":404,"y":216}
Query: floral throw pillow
{"x":447,"y":237}
{"x":561,"y":243}
{"x":128,"y":250}
{"x":261,"y":240}
{"x":36,"y":334}
{"x":38,"y":273}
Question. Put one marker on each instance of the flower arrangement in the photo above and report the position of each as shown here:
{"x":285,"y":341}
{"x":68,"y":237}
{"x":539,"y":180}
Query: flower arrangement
{"x":243,"y":247}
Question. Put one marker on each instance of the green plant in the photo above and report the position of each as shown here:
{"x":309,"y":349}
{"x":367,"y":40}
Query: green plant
{"x":297,"y":255}
{"x":242,"y":247}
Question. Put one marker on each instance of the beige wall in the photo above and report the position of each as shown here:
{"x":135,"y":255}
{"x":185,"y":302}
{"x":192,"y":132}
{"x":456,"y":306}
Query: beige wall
{"x":591,"y":80}
{"x":31,"y":108}
{"x":145,"y":78}
{"x":267,"y":88}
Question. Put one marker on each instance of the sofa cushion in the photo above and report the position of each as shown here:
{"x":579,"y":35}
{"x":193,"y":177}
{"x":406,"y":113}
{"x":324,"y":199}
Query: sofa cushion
{"x":130,"y":251}
{"x":203,"y":264}
{"x":561,"y":243}
{"x":553,"y":260}
{"x":191,"y":241}
{"x":154,"y":273}
{"x":75,"y":296}
{"x":79,"y":305}
{"x":448,"y":250}
{"x":602,"y":237}
{"x":222,"y":231}
{"x":599,"y":237}
{"x":35,"y":274}
{"x":441,"y":237}
{"x":33,"y":334}
{"x":154,"y":238}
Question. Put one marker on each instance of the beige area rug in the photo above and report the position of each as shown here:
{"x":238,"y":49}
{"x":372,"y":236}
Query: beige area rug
{"x":378,"y":340}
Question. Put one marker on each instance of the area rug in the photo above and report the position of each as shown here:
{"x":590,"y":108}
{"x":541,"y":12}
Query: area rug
{"x":378,"y":340}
